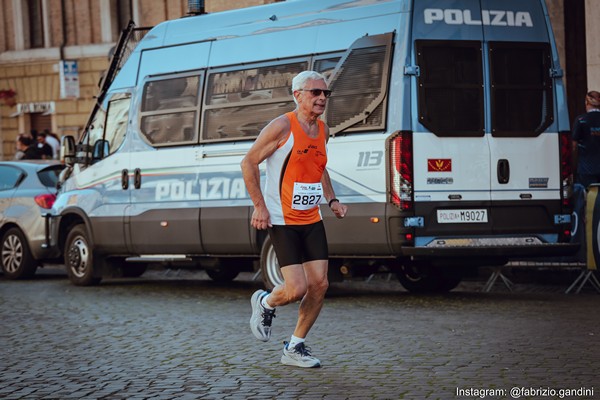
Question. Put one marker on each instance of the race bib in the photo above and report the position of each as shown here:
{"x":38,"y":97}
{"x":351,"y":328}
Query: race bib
{"x":306,"y":195}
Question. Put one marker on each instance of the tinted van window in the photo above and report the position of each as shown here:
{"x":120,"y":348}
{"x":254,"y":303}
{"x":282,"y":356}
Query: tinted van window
{"x":359,"y":83}
{"x":240,"y":102}
{"x":169,"y":110}
{"x":521,"y":88}
{"x":450,"y":94}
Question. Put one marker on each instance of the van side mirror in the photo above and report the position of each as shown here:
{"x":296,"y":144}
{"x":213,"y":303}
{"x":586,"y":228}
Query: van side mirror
{"x":101,"y":150}
{"x":67,"y":150}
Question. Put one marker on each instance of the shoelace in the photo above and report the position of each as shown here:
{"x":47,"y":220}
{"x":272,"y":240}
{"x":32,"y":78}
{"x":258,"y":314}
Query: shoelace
{"x":267,"y":316}
{"x":303,"y":350}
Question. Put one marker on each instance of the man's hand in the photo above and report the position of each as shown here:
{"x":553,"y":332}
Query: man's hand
{"x":261,"y":219}
{"x":339,"y":209}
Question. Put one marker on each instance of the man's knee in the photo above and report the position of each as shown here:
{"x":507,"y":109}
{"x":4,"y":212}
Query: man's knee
{"x":295,"y":293}
{"x":319,"y":287}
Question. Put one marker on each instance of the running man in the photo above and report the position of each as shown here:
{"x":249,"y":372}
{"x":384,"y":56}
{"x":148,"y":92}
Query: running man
{"x":294,"y":147}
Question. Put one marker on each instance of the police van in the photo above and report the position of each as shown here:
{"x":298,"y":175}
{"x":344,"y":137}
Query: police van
{"x":449,"y":140}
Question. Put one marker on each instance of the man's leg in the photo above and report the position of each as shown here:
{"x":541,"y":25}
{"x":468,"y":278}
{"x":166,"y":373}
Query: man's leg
{"x":263,"y":304}
{"x":292,"y":289}
{"x":306,"y":282}
{"x":312,"y":302}
{"x":295,"y":352}
{"x":287,"y":244}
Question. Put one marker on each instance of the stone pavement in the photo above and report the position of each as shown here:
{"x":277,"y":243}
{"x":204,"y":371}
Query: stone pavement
{"x":186,"y":337}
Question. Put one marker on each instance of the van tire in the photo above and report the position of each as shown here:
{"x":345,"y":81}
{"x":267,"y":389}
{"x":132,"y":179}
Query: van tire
{"x":269,"y":266}
{"x":428,"y":279}
{"x":17,"y":261}
{"x":79,"y":258}
{"x":449,"y":280}
{"x":133,"y":270}
{"x":222,"y":275}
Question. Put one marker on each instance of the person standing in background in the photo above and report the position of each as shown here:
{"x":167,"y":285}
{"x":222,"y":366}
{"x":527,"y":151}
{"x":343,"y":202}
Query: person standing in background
{"x":586,"y":141}
{"x":53,"y":142}
{"x":44,"y":148}
{"x":27,"y":145}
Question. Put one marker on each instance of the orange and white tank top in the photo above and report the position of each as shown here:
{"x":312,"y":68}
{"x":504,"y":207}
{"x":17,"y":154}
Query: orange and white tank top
{"x":293,"y":176}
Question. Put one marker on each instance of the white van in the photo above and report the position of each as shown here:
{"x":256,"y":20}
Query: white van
{"x":449,"y":140}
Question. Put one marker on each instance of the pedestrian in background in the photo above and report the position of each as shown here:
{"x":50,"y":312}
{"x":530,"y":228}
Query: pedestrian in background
{"x":294,"y":146}
{"x":44,"y":148}
{"x":586,"y":141}
{"x":18,"y":153}
{"x":28,"y":147}
{"x":54,"y":142}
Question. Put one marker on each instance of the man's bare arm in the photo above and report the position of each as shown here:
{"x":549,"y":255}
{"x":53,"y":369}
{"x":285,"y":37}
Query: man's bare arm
{"x":266,"y":143}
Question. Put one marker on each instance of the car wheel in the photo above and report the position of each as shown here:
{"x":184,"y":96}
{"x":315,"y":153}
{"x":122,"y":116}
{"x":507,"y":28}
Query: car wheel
{"x":269,"y":266}
{"x":79,"y":258}
{"x":17,"y":261}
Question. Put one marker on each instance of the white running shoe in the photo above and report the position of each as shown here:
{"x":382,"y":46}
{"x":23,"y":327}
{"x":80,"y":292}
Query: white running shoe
{"x":260,"y":321}
{"x":299,"y":356}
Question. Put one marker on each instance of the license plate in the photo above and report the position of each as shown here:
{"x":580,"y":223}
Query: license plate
{"x":462,"y":216}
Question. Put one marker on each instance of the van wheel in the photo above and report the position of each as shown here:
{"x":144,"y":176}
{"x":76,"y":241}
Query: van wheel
{"x":133,"y":270}
{"x":222,"y":274}
{"x":428,"y":279}
{"x":222,"y":269}
{"x":269,"y":266}
{"x":79,"y":258}
{"x":450,"y":279}
{"x":17,"y":261}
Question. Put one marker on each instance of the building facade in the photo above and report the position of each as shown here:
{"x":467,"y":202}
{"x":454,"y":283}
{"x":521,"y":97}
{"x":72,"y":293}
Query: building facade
{"x":53,"y":54}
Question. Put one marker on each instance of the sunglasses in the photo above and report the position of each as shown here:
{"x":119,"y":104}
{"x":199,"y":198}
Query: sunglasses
{"x":317,"y":92}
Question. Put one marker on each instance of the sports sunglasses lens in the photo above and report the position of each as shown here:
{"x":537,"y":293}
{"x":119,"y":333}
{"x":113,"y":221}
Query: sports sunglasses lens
{"x":317,"y":92}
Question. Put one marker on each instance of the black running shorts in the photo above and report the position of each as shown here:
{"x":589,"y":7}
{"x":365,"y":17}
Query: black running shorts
{"x":297,"y":244}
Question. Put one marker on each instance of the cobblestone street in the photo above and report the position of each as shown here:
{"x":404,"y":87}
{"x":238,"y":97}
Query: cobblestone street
{"x":182,"y":336}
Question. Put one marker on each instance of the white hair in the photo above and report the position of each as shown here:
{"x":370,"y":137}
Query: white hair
{"x":300,"y":80}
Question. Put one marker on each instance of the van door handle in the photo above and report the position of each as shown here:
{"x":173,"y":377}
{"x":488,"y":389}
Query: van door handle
{"x":125,"y":179}
{"x":503,"y":171}
{"x":137,"y":178}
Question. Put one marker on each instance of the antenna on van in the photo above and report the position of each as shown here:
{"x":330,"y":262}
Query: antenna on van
{"x":196,"y":7}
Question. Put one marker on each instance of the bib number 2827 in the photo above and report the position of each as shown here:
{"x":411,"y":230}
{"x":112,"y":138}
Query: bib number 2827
{"x":306,"y":195}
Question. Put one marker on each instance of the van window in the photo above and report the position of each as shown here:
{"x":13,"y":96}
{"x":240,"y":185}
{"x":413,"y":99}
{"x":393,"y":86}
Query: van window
{"x":96,"y":128}
{"x":116,"y":122}
{"x":521,"y":88}
{"x":359,"y":84}
{"x":326,"y":66}
{"x":450,"y":91}
{"x":241,"y":102}
{"x":169,"y":109}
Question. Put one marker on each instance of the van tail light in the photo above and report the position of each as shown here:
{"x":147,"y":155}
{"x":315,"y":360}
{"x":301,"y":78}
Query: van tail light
{"x":566,"y":167}
{"x":401,"y":185}
{"x":45,"y":200}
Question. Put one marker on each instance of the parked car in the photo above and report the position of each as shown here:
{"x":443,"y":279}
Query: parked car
{"x":27,"y":192}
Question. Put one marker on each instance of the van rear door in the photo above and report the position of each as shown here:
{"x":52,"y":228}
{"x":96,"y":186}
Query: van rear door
{"x":451,"y":149}
{"x":486,"y":147}
{"x":524,"y":140}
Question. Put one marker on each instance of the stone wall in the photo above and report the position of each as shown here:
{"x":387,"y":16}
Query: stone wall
{"x":592,"y":26}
